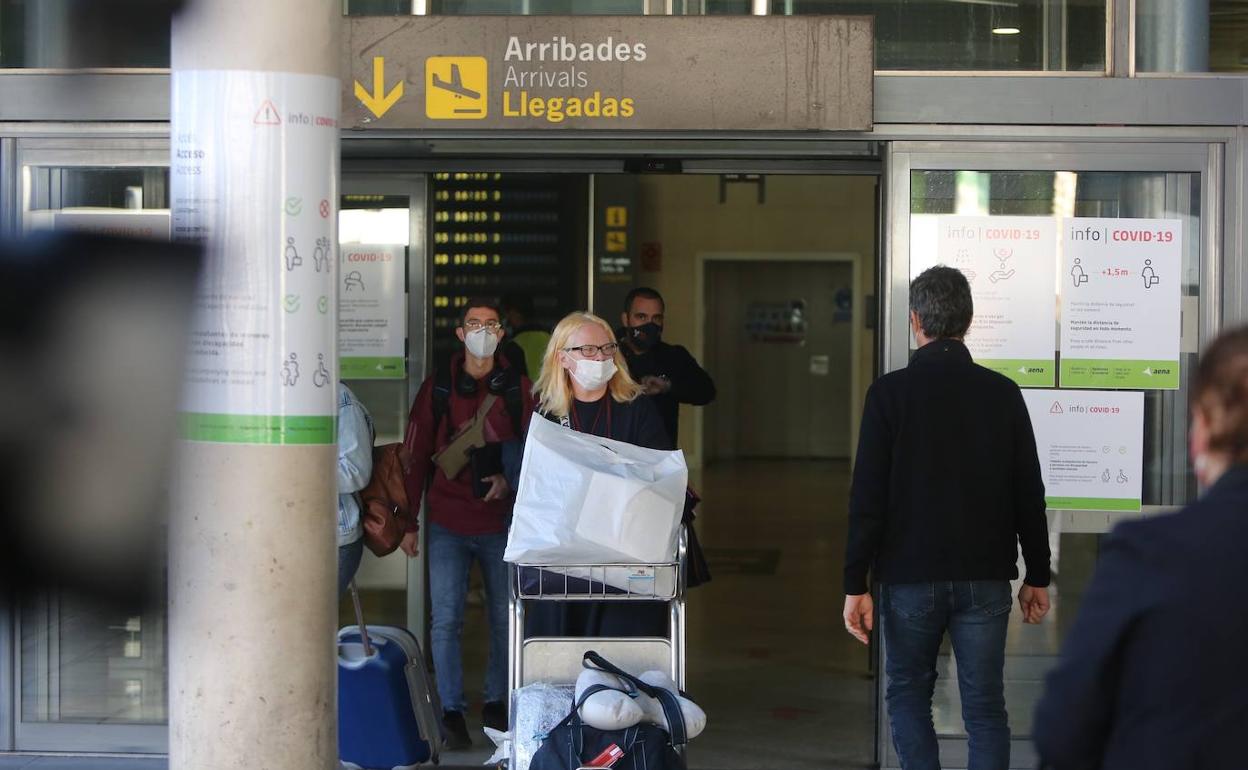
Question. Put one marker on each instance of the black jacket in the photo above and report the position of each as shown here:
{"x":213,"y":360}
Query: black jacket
{"x":946,"y":482}
{"x":634,"y":422}
{"x":1152,"y":673}
{"x":690,"y":382}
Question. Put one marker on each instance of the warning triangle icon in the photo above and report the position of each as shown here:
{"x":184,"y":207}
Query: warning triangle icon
{"x":1056,"y":409}
{"x":267,"y":115}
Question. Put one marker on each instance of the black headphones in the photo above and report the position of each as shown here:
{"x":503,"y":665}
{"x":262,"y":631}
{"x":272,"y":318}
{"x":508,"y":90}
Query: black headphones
{"x":496,"y":383}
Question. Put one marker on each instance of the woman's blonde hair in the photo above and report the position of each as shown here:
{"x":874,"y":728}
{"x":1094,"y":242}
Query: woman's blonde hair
{"x":553,"y":387}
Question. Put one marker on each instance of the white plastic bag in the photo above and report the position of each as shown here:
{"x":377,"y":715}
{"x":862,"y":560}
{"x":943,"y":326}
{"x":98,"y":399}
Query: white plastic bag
{"x":537,"y":708}
{"x":590,"y":500}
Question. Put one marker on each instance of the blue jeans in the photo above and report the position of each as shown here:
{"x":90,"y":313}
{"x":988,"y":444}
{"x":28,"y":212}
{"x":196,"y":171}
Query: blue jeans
{"x":349,"y":557}
{"x":450,"y":558}
{"x":915,"y":617}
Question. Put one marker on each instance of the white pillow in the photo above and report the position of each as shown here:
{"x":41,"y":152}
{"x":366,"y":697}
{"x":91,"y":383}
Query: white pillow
{"x":695,"y":717}
{"x":615,"y":710}
{"x":609,"y":709}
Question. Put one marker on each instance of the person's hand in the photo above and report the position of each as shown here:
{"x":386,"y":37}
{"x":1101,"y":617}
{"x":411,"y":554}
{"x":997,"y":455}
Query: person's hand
{"x":410,"y":544}
{"x":653,"y":386}
{"x":499,"y":488}
{"x":859,"y":617}
{"x":1034,"y":603}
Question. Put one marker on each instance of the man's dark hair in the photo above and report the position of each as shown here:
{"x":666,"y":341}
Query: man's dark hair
{"x":644,"y":292}
{"x":1220,"y":392}
{"x":479,"y":303}
{"x":941,"y":297}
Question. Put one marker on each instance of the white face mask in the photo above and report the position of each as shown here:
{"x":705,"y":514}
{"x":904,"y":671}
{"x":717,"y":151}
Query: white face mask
{"x":481,"y":343}
{"x":592,"y":375}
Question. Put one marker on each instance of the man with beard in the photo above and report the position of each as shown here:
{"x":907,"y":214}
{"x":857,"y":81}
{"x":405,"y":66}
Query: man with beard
{"x":668,"y":373}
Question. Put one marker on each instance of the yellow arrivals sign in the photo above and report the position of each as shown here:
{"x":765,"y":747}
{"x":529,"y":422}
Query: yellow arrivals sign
{"x":641,"y":73}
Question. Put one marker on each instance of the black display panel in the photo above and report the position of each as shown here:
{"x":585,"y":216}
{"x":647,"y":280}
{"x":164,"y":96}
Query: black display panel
{"x":493,"y":234}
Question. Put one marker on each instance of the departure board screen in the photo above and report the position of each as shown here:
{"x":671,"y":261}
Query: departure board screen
{"x":496,"y":234}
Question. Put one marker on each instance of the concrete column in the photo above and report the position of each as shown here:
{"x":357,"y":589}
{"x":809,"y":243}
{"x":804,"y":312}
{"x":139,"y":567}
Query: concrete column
{"x":1172,"y":36}
{"x":252,"y":558}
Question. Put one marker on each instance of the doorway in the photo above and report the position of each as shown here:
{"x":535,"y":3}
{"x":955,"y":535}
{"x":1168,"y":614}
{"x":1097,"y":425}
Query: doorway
{"x":770,"y":456}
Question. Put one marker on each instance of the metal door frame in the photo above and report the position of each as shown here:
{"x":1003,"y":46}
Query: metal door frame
{"x":1203,"y":155}
{"x":85,"y":151}
{"x":904,"y":147}
{"x":414,"y":186}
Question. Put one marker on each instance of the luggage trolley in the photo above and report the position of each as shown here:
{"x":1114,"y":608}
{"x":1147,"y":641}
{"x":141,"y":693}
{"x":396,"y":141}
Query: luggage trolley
{"x":557,"y":660}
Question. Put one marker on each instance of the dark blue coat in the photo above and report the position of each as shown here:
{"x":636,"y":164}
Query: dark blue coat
{"x":1154,"y":673}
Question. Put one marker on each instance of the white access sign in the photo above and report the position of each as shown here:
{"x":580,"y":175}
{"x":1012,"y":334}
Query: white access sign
{"x":254,"y":178}
{"x":1091,"y":447}
{"x":1008,"y":262}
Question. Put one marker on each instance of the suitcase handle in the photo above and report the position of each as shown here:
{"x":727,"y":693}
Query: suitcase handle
{"x":359,"y":620}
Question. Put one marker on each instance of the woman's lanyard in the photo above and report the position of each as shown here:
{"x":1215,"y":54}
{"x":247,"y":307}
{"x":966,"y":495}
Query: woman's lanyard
{"x":605,"y":406}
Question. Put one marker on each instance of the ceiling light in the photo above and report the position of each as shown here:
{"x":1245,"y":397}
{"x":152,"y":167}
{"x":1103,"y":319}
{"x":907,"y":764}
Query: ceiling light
{"x":1004,"y":19}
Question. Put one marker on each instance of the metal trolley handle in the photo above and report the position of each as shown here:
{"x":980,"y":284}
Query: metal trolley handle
{"x":663,"y":581}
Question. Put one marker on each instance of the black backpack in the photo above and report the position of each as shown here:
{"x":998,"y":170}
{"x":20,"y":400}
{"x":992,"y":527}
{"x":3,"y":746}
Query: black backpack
{"x":504,"y":382}
{"x":572,"y":744}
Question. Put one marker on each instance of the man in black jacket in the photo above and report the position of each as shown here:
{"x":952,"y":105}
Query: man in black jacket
{"x":946,"y":484}
{"x":669,"y":374}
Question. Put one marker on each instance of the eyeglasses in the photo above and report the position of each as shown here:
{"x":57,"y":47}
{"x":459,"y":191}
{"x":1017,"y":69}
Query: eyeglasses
{"x":593,"y":350}
{"x":473,"y":324}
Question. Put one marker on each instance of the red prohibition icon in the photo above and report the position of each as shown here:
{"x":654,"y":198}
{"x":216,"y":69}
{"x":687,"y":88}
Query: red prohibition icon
{"x":324,"y":209}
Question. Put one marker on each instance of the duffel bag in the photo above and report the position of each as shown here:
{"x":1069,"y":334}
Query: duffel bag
{"x":571,"y":744}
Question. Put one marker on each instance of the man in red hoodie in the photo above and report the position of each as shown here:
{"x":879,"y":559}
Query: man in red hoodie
{"x":469,"y":510}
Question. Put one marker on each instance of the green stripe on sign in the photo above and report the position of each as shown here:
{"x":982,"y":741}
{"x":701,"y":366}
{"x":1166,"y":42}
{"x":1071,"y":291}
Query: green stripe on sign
{"x":1027,"y":372}
{"x":366,"y":368}
{"x":1108,"y":374}
{"x":257,"y":429}
{"x":1093,"y":503}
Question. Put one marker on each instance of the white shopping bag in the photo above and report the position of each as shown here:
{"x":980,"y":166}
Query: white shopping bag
{"x":590,"y":500}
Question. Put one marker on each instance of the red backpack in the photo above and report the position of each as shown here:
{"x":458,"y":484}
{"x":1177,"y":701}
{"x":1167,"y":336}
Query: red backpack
{"x":384,"y":509}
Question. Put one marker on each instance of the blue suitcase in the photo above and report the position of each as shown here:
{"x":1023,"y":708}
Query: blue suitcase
{"x":388,"y":713}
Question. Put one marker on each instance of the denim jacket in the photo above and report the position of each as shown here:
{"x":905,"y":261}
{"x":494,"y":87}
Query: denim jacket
{"x":355,"y":462}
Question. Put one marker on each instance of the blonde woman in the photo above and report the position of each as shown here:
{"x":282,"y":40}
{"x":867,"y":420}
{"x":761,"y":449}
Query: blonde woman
{"x":585,"y":385}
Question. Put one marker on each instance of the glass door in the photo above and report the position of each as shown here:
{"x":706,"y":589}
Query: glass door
{"x":383,"y":321}
{"x":87,"y":676}
{"x":936,"y":187}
